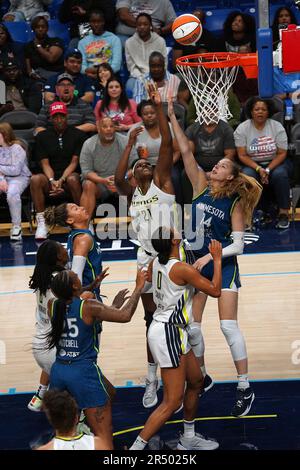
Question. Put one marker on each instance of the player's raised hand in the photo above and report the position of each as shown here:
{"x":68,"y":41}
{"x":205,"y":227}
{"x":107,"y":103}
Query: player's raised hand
{"x":120,"y":298}
{"x":153,"y":93}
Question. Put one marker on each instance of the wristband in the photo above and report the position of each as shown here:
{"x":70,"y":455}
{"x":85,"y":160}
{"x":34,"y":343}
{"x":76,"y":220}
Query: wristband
{"x":257,"y":168}
{"x":267,"y":170}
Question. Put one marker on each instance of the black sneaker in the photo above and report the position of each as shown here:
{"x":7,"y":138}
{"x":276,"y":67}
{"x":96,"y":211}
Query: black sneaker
{"x":207,"y":385}
{"x":283,"y":221}
{"x":244,"y":400}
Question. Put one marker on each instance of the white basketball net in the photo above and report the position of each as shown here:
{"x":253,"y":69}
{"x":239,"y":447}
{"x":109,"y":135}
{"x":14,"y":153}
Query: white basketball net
{"x":209,"y":88}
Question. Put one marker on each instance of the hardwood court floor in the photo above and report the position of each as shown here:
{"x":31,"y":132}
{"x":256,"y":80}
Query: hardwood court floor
{"x":268,"y":316}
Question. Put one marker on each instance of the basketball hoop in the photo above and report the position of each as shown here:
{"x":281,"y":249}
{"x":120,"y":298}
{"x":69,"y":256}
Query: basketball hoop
{"x":209,"y":77}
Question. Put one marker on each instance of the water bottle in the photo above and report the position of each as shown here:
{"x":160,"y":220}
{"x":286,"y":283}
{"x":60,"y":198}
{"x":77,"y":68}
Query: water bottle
{"x":288,"y":109}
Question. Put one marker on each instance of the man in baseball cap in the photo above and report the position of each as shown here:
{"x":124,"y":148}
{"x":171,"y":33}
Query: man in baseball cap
{"x":84,"y":87}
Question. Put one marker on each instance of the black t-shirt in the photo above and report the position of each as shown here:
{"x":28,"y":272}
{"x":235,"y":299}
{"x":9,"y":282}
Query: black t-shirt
{"x":36,"y":60}
{"x":59,"y":150}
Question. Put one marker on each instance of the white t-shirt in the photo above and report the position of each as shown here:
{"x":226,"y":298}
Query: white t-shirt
{"x":81,"y":442}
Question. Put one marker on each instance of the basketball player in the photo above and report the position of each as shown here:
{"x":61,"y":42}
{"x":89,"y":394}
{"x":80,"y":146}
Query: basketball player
{"x":52,"y":257}
{"x":74,"y":335}
{"x":174,"y":283}
{"x":84,"y":252}
{"x":63,"y":415}
{"x":151,"y":203}
{"x":227,"y":200}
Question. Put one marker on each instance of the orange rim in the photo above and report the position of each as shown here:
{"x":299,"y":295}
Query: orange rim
{"x":225,"y":59}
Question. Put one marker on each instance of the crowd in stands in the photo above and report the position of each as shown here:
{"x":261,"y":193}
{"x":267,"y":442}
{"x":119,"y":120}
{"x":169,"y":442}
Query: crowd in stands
{"x":91,"y":93}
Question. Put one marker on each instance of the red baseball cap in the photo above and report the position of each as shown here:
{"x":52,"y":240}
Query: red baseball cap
{"x":58,"y":107}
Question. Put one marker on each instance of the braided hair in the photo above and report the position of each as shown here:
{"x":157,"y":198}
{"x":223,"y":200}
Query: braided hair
{"x":162,"y":243}
{"x":46,"y":264}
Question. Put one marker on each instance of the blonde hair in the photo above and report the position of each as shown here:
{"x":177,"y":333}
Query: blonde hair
{"x":8,"y":134}
{"x":245,"y":186}
{"x":56,"y":215}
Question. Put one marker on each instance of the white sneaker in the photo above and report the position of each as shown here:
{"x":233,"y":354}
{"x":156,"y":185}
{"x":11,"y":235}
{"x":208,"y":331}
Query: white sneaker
{"x":35,"y":404}
{"x":16,"y":233}
{"x":41,"y":230}
{"x":197,"y":442}
{"x":150,"y":396}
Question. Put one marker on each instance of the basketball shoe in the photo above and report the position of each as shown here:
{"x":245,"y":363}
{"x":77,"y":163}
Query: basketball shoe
{"x":197,"y":442}
{"x":244,"y":400}
{"x":35,"y":404}
{"x":150,"y":396}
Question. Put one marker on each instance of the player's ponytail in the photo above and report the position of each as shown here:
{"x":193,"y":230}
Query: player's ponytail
{"x":46,"y":264}
{"x":162,"y":243}
{"x":62,"y":288}
{"x":56,"y":215}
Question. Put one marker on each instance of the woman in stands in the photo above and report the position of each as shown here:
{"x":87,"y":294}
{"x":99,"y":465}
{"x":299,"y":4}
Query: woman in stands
{"x":62,"y":412}
{"x":44,"y":55}
{"x":9,"y":49}
{"x":117,"y":106}
{"x":221,"y":207}
{"x":14,"y":176}
{"x":104,"y":73}
{"x":283,"y":17}
{"x":73,"y":322}
{"x":262,"y":149}
{"x":238,"y":30}
{"x":174,"y":284}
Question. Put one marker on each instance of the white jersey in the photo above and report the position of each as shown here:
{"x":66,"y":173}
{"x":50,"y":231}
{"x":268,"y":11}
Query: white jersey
{"x":43,"y":322}
{"x":81,"y":442}
{"x":173,"y":302}
{"x":150,"y":211}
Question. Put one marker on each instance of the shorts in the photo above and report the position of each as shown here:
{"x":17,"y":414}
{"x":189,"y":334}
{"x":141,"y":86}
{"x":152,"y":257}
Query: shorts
{"x":45,"y":358}
{"x":167,"y":343}
{"x":83,"y":380}
{"x":230,"y":272}
{"x":143,"y":261}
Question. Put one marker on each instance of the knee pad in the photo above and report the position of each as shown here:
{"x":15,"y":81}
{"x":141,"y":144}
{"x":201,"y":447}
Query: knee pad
{"x":195,"y":338}
{"x":234,"y":338}
{"x":148,"y":316}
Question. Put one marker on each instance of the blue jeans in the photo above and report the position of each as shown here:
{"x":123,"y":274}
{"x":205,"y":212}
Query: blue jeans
{"x":279,"y":182}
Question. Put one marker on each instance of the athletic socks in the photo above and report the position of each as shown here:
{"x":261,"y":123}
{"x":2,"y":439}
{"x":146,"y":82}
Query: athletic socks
{"x":139,"y":444}
{"x":188,"y":429}
{"x":243,"y":382}
{"x":41,"y":391}
{"x":152,"y":372}
{"x":203,"y":370}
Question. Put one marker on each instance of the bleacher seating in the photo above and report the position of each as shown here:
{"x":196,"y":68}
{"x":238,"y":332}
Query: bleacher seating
{"x":57,"y":29}
{"x":215,"y":20}
{"x":20,"y":30}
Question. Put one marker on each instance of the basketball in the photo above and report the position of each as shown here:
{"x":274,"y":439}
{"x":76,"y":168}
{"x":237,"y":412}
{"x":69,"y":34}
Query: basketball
{"x":187,"y":29}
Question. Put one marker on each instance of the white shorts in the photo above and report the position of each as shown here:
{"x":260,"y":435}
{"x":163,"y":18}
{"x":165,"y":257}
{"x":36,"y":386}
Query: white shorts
{"x":143,"y":261}
{"x":45,"y":358}
{"x":167,"y":343}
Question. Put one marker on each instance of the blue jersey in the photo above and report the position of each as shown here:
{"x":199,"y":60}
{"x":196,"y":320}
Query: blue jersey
{"x":78,"y":341}
{"x":211,"y":219}
{"x":93,"y":265}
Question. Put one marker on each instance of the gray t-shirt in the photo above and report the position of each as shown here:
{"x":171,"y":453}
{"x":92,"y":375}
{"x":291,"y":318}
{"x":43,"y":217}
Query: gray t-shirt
{"x":161,"y":11}
{"x":210,"y":147}
{"x":262,"y":144}
{"x":153,"y":145}
{"x":103,"y":159}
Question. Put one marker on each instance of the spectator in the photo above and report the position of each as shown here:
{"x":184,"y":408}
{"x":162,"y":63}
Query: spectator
{"x":139,"y":47}
{"x":283,"y":17}
{"x":161,"y":12}
{"x":43,"y":55}
{"x":167,"y":83}
{"x":76,"y":13}
{"x":57,"y":150}
{"x":148,"y":142}
{"x":104,"y":73}
{"x":99,"y":158}
{"x":239,"y":30}
{"x":117,"y":106}
{"x":284,"y":84}
{"x":21,"y":92}
{"x":9,"y":49}
{"x":243,"y":87}
{"x":209,"y":144}
{"x":84,"y":87}
{"x":233,"y":104}
{"x":26,"y":10}
{"x":262,"y":149}
{"x":206,"y":43}
{"x":63,"y":415}
{"x":99,"y":46}
{"x":14,"y":176}
{"x":80,"y":113}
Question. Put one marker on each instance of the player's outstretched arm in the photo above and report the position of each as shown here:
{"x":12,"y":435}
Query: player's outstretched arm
{"x":121,"y":182}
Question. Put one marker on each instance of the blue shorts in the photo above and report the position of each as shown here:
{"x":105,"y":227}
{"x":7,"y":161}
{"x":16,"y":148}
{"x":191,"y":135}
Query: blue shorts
{"x":230,"y":271}
{"x":83,"y":380}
